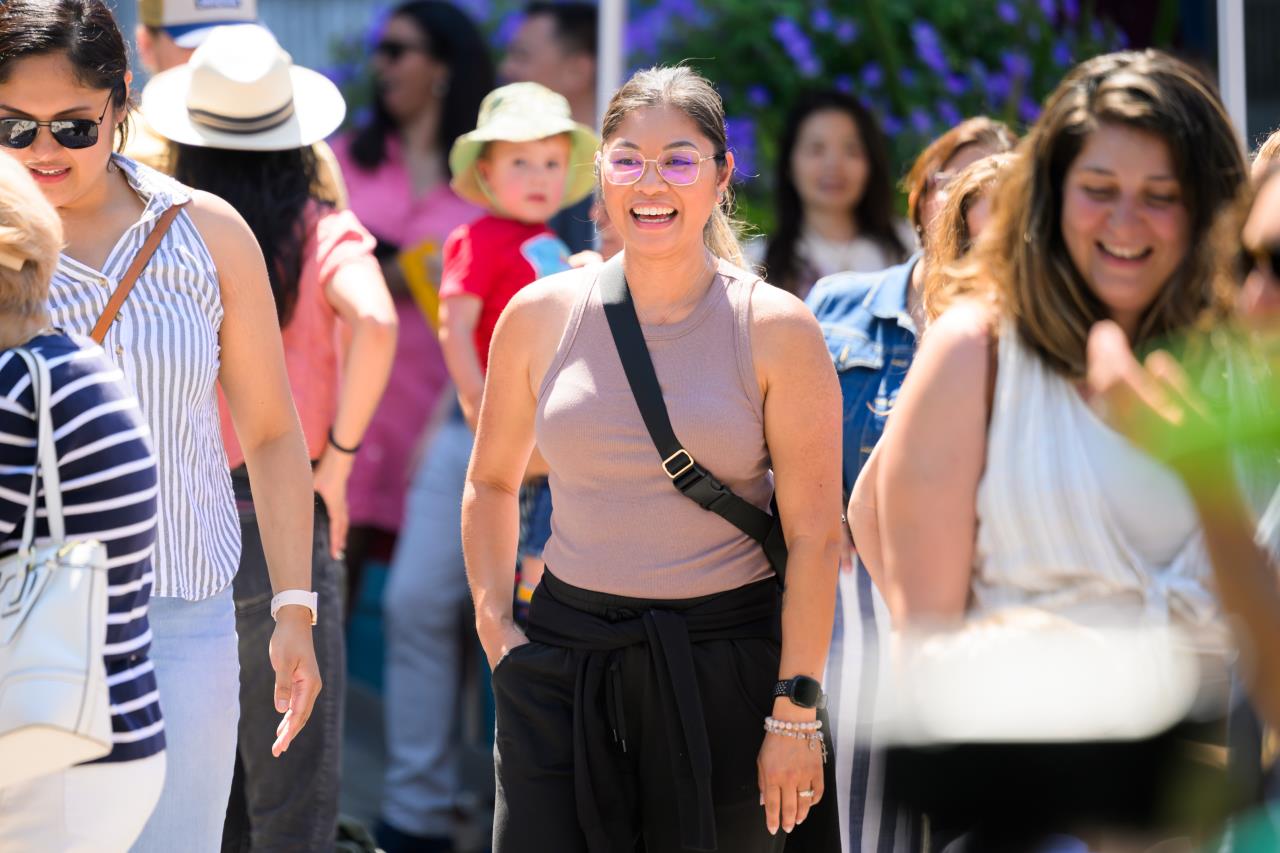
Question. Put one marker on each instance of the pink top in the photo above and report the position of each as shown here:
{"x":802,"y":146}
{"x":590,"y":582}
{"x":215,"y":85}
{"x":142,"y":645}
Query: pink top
{"x":336,"y":240}
{"x":384,"y":201}
{"x":619,"y":525}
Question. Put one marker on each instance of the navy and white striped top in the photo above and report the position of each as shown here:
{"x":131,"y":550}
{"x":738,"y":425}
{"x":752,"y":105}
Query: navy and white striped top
{"x":109,"y":486}
{"x":165,"y":340}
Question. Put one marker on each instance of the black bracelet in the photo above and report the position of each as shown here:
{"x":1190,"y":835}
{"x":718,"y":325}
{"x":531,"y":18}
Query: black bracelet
{"x":348,"y":450}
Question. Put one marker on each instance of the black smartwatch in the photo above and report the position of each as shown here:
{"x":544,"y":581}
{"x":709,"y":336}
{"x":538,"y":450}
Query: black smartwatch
{"x":802,"y":690}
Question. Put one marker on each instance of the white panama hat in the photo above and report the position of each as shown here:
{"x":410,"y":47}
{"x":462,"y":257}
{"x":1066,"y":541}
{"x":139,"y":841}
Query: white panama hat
{"x":241,"y":91}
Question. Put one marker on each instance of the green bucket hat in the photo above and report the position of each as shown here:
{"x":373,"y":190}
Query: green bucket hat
{"x":523,"y":112}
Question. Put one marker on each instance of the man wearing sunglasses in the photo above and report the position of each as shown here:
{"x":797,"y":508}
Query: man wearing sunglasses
{"x":168,"y":32}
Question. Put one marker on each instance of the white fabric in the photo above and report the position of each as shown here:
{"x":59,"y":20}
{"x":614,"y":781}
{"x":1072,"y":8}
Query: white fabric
{"x":90,"y":808}
{"x":1046,"y":537}
{"x":165,"y":340}
{"x":1152,"y":508}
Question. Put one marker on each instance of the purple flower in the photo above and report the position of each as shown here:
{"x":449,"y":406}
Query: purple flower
{"x":872,"y":75}
{"x":1016,"y":65}
{"x":921,"y":121}
{"x":377,"y":23}
{"x":923,"y":33}
{"x":998,"y":87}
{"x":844,"y":83}
{"x":1122,"y":38}
{"x":1007,"y":12}
{"x":1071,"y":9}
{"x":507,"y":29}
{"x":821,"y":19}
{"x":955,"y":84}
{"x":1049,"y":8}
{"x":949,"y":113}
{"x":678,"y":9}
{"x":908,"y":77}
{"x":1095,"y":30}
{"x":758,"y":96}
{"x":741,"y":134}
{"x":846,"y":31}
{"x":891,"y":125}
{"x":932,"y":56}
{"x":797,"y":46}
{"x":1028,"y":109}
{"x":1062,"y":53}
{"x":339,"y":75}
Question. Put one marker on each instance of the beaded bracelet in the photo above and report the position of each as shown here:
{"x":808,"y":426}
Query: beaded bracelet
{"x":772,"y":724}
{"x":804,"y":731}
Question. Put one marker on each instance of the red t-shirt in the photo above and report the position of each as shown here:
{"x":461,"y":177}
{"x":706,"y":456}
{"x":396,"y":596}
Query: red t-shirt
{"x":492,"y":258}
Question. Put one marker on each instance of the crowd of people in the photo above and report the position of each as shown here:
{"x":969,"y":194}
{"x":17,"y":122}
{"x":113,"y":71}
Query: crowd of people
{"x":954,"y":532}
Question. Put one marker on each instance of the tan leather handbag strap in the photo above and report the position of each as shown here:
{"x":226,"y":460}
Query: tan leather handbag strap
{"x":140,"y":261}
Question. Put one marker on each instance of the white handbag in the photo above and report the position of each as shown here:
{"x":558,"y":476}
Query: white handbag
{"x":55,"y":710}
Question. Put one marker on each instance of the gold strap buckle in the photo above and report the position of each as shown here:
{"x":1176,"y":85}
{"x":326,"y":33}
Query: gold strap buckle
{"x":666,"y":463}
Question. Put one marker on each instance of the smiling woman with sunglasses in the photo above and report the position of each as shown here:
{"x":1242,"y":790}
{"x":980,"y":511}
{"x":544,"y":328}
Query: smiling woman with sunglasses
{"x":662,"y":664}
{"x":200,"y":314}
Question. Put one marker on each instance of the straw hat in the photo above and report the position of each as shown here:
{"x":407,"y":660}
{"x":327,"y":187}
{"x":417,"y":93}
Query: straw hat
{"x":241,"y":91}
{"x":523,"y":112}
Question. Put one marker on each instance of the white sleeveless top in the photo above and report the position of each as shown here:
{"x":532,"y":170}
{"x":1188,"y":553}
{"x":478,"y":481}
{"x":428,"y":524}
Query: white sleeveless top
{"x":165,"y":340}
{"x":1048,"y":536}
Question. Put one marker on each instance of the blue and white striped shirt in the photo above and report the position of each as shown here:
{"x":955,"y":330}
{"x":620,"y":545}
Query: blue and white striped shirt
{"x":165,"y":340}
{"x":109,"y":486}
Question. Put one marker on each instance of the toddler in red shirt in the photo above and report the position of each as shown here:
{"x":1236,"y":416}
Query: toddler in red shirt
{"x":525,"y":161}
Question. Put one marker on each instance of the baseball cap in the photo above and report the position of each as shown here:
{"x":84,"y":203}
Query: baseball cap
{"x":188,"y":22}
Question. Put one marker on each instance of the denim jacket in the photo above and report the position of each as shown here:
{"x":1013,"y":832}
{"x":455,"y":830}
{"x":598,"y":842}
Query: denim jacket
{"x":872,"y":340}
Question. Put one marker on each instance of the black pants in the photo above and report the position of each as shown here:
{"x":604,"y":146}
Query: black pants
{"x":597,"y":748}
{"x":291,"y":802}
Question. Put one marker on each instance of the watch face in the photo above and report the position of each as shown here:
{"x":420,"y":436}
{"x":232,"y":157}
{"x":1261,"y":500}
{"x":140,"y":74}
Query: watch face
{"x":806,"y":692}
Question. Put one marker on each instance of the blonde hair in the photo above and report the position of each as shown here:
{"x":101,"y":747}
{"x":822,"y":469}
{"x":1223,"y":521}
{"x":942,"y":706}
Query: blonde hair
{"x":688,"y":91}
{"x":30,"y":240}
{"x":949,"y":238}
{"x":1269,"y":151}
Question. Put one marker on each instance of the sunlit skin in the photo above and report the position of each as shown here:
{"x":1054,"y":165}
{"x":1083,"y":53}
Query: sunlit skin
{"x":408,"y":84}
{"x":45,"y":87}
{"x":978,"y":215}
{"x":526,"y":179}
{"x":829,"y":165}
{"x":936,"y":196}
{"x":648,"y":133}
{"x":1123,"y":219}
{"x":1259,"y":299}
{"x":97,"y":206}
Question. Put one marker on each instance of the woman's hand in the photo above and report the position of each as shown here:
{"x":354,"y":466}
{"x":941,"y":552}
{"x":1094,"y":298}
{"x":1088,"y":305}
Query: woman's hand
{"x":293,"y":658}
{"x":330,"y":482}
{"x":499,"y":640}
{"x":1153,"y":405}
{"x":787,"y":766}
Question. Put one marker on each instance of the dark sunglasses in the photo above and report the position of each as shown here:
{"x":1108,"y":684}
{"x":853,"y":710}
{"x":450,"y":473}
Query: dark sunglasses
{"x":69,"y":132}
{"x":392,"y":50}
{"x":1265,"y":259}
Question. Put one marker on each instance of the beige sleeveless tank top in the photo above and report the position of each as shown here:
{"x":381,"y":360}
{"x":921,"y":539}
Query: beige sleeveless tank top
{"x":619,"y":525}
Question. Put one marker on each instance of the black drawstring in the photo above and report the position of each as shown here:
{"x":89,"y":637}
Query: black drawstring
{"x":614,"y":703}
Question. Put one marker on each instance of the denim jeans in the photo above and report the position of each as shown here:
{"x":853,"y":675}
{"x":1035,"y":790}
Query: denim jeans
{"x":198,"y":670}
{"x":425,"y":606}
{"x":290,"y":802}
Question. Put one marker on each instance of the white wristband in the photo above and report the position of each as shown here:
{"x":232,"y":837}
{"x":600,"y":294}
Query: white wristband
{"x":309,"y":600}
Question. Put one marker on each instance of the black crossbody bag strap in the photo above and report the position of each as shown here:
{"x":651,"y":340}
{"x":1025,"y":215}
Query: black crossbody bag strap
{"x":690,"y":478}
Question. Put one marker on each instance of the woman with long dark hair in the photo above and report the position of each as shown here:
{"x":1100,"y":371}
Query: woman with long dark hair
{"x":432,"y":68}
{"x":833,"y":195}
{"x":199,"y":317}
{"x":326,"y":286}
